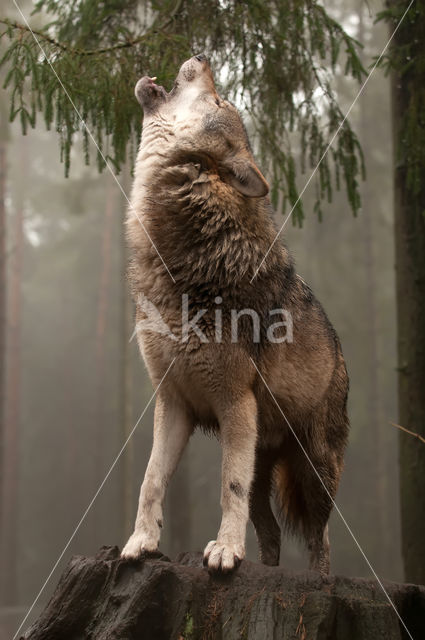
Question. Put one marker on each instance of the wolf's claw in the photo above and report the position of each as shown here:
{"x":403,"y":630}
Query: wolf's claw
{"x":219,"y":556}
{"x":137,"y":544}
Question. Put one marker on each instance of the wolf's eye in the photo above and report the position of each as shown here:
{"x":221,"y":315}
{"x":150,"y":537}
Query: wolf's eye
{"x":217,"y":101}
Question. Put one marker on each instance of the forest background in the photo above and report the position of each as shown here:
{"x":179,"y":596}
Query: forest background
{"x":76,"y":385}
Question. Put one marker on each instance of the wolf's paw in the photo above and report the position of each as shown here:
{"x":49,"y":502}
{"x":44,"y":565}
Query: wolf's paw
{"x":139,"y":543}
{"x":219,"y":556}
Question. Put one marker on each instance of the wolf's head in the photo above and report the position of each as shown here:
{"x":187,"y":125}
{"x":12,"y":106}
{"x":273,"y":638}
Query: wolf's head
{"x":201,"y":126}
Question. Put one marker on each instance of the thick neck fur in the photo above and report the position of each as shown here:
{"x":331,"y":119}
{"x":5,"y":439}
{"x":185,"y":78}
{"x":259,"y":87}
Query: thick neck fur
{"x":211,"y":237}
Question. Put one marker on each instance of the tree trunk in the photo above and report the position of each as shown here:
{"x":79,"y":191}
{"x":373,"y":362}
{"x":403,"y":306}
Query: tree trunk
{"x":101,"y":345}
{"x":178,"y":511}
{"x":4,"y":137}
{"x":107,"y":598}
{"x":408,"y":82}
{"x":376,"y":421}
{"x":2,"y":306}
{"x":10,"y":497}
{"x":127,"y":417}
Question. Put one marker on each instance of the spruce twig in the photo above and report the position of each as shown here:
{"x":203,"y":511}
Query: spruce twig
{"x":412,"y":433}
{"x":82,"y":52}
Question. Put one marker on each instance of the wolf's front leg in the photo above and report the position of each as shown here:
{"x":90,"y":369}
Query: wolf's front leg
{"x":238,"y":430}
{"x":172,"y":429}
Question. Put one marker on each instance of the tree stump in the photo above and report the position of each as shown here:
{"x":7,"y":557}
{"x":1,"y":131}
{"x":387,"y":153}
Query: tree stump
{"x":106,"y":598}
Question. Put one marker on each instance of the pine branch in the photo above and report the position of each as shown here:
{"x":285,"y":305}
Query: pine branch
{"x":41,"y":35}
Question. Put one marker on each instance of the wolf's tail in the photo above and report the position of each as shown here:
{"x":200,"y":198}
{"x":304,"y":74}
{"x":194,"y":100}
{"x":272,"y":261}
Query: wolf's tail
{"x":289,"y":499}
{"x":303,"y":503}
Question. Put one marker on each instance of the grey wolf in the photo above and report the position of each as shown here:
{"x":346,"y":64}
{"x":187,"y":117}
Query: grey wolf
{"x":203,"y":202}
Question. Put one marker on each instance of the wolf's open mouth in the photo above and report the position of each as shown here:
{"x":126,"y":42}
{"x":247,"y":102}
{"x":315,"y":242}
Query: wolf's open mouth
{"x":156,"y":87}
{"x":152,"y":82}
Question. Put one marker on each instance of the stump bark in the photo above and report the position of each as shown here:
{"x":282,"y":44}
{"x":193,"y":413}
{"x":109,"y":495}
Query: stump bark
{"x":106,"y":598}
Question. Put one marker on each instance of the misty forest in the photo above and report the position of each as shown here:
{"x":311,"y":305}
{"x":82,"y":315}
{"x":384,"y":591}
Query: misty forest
{"x":332,"y":95}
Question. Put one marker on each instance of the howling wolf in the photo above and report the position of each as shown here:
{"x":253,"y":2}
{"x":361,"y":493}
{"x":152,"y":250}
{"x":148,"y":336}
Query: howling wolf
{"x":199,"y":227}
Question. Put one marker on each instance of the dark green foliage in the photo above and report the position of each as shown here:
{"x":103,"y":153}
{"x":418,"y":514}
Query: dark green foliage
{"x":276,"y":60}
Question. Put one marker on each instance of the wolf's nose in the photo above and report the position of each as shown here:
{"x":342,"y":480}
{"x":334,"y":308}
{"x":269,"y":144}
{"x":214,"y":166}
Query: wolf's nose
{"x":201,"y":57}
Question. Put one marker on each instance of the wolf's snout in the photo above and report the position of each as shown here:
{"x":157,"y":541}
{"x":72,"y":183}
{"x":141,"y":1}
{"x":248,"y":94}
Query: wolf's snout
{"x":148,"y":93}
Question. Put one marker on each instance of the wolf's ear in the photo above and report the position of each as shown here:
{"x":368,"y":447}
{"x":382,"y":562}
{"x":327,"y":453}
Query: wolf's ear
{"x":244,"y":176}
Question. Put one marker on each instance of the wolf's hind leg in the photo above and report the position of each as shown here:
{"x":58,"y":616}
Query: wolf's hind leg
{"x":260,"y":511}
{"x":319,"y":549}
{"x":305,"y":503}
{"x":238,"y":433}
{"x":172,"y":429}
{"x":317,"y":503}
{"x":319,"y":495}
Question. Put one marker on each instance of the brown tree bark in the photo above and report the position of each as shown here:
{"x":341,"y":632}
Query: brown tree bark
{"x":408,"y":82}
